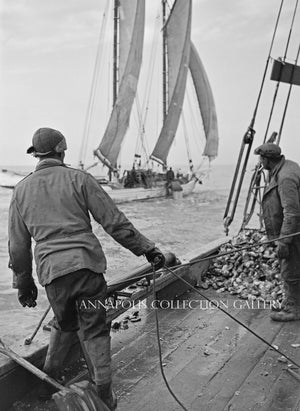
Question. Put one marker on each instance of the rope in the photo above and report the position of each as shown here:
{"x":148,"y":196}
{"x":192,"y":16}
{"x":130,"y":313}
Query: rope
{"x":273,"y":347}
{"x":283,"y":60}
{"x":195,"y":123}
{"x":211,"y":302}
{"x":142,"y":110}
{"x":248,"y":137}
{"x":266,"y":66}
{"x":95,"y":79}
{"x":288,"y":97}
{"x":159,"y":346}
{"x":187,"y":143}
{"x":211,"y":257}
{"x":233,"y":318}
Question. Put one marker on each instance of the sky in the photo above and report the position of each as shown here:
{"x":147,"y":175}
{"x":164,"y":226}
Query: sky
{"x":48,"y":51}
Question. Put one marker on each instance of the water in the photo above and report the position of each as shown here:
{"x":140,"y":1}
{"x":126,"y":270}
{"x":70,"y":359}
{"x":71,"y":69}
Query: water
{"x":176,"y":226}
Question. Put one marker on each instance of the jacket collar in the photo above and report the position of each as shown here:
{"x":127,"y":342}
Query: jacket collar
{"x":273,"y":175}
{"x":48,"y":162}
{"x":276,"y":169}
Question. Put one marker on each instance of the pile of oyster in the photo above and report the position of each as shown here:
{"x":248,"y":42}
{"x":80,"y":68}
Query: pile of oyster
{"x":252,"y":274}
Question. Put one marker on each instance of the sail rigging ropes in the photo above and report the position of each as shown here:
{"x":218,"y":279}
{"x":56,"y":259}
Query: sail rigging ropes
{"x":142,"y":111}
{"x":249,"y":135}
{"x":281,"y":68}
{"x":92,"y":96}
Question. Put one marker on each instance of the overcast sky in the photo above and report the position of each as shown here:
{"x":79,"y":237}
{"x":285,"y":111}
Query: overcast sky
{"x":48,"y":50}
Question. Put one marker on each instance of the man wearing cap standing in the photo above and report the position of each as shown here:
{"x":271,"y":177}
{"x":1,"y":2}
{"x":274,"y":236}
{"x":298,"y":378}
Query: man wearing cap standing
{"x":52,"y":206}
{"x":281,"y":214}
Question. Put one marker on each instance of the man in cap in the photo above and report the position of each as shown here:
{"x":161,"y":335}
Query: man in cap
{"x":281,"y":214}
{"x":52,"y":206}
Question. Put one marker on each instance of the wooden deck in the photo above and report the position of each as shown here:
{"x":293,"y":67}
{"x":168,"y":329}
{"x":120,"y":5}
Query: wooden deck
{"x":210,"y":361}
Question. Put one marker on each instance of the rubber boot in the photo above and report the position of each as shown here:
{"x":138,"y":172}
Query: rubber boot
{"x":280,"y":306}
{"x":58,"y":350}
{"x":291,"y":309}
{"x":86,"y":356}
{"x":98,"y":349}
{"x":107,"y":395}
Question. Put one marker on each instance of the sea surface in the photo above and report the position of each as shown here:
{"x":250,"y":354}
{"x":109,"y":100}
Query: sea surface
{"x":179,"y":226}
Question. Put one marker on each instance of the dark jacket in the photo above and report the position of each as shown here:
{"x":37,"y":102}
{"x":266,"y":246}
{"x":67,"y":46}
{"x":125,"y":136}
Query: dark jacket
{"x":281,"y":200}
{"x":53,"y":206}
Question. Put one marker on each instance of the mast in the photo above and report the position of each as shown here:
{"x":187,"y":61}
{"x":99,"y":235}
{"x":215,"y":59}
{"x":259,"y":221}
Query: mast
{"x":164,"y":60}
{"x":115,"y":50}
{"x":129,"y":24}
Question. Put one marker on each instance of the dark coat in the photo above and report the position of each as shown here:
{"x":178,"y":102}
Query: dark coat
{"x":281,"y":213}
{"x":53,"y":206}
{"x":281,"y":200}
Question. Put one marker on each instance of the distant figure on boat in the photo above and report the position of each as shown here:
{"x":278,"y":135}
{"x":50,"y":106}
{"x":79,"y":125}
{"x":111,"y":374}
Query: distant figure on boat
{"x":52,"y":206}
{"x":130,"y":178}
{"x":281,"y":214}
{"x":170,"y":175}
{"x":134,"y":176}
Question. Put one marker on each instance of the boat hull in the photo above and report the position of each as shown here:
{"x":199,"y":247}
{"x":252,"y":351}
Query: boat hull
{"x":121,"y":195}
{"x":15,"y":382}
{"x":124,"y":195}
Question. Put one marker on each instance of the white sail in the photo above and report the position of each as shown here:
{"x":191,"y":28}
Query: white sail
{"x":206,"y":104}
{"x":131,"y":38}
{"x":178,"y":31}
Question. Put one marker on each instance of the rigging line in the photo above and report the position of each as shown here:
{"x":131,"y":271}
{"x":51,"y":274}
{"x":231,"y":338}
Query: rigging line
{"x":141,"y":133}
{"x":186,"y":136}
{"x":266,"y":67}
{"x":273,"y":347}
{"x":194,"y":119}
{"x":89,"y":111}
{"x":259,"y":244}
{"x":138,"y":121}
{"x":283,"y":60}
{"x":140,"y":141}
{"x":159,"y":345}
{"x":288,"y":98}
{"x":143,"y":110}
{"x":153,"y":58}
{"x":100,"y":69}
{"x":153,"y":53}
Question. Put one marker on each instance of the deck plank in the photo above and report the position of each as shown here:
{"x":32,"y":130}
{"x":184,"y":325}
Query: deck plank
{"x":210,"y":361}
{"x":227,"y":382}
{"x":189,"y":371}
{"x":274,"y":388}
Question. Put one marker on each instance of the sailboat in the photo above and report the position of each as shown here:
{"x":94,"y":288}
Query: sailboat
{"x":180,"y":58}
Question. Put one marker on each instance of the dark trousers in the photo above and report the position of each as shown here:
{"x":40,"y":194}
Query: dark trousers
{"x":290,"y":267}
{"x":78,"y":301}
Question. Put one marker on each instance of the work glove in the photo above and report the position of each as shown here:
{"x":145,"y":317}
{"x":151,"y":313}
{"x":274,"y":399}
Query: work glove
{"x":282,"y":250}
{"x":27,"y":295}
{"x":156,"y":257}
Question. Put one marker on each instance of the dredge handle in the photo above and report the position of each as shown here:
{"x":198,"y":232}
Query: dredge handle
{"x":30,"y":367}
